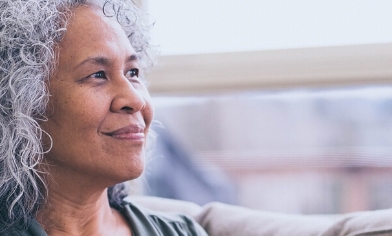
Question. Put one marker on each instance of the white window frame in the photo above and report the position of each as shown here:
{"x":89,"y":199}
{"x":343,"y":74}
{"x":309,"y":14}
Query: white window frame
{"x":286,"y":68}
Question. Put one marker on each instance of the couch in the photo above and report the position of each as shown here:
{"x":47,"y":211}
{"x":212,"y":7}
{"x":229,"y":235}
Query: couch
{"x":220,"y":219}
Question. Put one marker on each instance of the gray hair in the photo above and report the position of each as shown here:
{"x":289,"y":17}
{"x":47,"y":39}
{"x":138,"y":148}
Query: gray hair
{"x":29,"y":32}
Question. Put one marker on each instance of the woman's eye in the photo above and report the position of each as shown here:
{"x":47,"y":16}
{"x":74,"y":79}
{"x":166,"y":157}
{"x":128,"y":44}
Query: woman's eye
{"x":99,"y":74}
{"x":133,"y":73}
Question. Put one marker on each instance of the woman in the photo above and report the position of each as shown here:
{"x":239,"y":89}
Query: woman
{"x":75,"y":115}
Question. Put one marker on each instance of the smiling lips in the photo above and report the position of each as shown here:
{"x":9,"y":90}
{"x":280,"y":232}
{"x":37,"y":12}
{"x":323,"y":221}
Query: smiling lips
{"x":131,"y":132}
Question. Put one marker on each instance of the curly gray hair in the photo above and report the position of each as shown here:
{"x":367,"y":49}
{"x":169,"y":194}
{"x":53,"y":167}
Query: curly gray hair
{"x":29,"y":31}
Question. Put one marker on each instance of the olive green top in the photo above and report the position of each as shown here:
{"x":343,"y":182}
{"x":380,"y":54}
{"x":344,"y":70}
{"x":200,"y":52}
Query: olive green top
{"x":143,"y":222}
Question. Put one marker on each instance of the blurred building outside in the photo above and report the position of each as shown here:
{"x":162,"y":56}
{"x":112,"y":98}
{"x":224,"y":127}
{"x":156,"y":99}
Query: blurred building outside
{"x":297,"y":151}
{"x":287,"y":101}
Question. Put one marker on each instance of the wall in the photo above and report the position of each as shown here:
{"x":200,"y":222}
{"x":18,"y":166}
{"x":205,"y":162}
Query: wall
{"x":210,"y":26}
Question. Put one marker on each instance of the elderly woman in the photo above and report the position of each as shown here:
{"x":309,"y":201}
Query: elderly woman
{"x":74,"y":119}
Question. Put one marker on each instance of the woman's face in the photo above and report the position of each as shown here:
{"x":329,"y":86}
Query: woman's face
{"x":99,"y":111}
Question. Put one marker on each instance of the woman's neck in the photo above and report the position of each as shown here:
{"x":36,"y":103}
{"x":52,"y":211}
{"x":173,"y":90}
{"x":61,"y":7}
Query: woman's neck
{"x":63,"y":214}
{"x":67,"y":212}
{"x":78,"y":204}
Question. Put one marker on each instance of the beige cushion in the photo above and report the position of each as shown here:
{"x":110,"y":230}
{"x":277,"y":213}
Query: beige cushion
{"x":362,"y":223}
{"x":225,"y":220}
{"x":220,"y":219}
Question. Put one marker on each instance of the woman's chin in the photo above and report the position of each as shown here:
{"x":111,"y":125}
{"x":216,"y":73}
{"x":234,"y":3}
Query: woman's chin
{"x":132,"y":173}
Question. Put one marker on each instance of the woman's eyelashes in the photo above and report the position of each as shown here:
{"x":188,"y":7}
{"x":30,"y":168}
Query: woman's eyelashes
{"x":132,"y":75}
{"x":99,"y":75}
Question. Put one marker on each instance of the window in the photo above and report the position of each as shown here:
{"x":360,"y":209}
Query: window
{"x":292,"y":150}
{"x":299,"y":130}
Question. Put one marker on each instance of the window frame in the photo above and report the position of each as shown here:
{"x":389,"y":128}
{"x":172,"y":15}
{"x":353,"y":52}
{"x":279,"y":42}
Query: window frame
{"x":284,"y":68}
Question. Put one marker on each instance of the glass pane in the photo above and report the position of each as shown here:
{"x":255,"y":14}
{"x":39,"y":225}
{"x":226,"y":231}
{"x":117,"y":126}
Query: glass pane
{"x":300,"y":151}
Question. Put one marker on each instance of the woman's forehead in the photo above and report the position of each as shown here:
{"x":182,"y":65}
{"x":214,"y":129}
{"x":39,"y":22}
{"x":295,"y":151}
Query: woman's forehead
{"x":89,"y":34}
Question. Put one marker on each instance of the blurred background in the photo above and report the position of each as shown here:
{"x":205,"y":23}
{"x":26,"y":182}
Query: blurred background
{"x":279,"y":105}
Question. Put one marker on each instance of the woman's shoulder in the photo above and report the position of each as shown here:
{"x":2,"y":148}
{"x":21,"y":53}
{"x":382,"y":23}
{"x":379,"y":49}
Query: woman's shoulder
{"x":33,"y":229}
{"x":148,"y":222}
{"x":142,"y":220}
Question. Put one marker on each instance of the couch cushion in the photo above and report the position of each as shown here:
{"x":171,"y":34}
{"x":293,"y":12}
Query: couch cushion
{"x":362,"y":223}
{"x":226,"y":220}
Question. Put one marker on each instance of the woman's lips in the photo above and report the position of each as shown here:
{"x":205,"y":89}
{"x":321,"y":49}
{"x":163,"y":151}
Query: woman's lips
{"x":135,"y":136}
{"x":129,"y":132}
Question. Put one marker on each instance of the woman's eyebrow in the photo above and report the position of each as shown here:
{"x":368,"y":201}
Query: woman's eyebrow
{"x":103,"y":60}
{"x":132,"y":57}
{"x":93,"y":60}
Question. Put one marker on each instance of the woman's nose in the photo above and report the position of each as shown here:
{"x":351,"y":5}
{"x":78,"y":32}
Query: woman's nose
{"x":127,"y":99}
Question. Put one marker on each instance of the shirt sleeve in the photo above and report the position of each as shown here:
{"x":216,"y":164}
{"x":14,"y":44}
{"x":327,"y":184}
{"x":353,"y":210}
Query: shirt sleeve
{"x":152,"y":223}
{"x":34,"y":229}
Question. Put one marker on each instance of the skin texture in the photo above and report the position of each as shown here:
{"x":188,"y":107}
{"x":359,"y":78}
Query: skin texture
{"x":98,"y":117}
